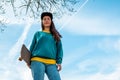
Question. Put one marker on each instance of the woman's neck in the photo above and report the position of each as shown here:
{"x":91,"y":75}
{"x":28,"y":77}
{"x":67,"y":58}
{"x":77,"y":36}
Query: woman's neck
{"x":46,"y":30}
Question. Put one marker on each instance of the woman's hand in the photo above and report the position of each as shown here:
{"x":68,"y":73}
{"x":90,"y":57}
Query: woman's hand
{"x":59,"y":67}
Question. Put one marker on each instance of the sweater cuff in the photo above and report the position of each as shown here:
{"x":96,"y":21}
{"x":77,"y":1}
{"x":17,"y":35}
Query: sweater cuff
{"x":59,"y":61}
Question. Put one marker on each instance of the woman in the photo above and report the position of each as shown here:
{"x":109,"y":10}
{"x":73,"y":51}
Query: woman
{"x":46,"y":50}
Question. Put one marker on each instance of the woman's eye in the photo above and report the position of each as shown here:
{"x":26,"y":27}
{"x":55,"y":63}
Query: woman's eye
{"x":44,"y":18}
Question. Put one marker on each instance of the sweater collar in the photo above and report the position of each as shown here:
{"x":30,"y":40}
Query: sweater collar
{"x":46,"y":31}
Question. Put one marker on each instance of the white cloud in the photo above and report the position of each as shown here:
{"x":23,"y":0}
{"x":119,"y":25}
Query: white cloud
{"x":16,"y":47}
{"x":66,"y":19}
{"x":75,"y":74}
{"x":110,"y":44}
{"x":75,"y":55}
{"x":91,"y":26}
{"x":79,"y":66}
{"x":14,"y":70}
{"x":117,"y":45}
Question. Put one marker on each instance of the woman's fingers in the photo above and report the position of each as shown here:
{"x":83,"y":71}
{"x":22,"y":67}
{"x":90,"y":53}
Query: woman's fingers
{"x":59,"y":67}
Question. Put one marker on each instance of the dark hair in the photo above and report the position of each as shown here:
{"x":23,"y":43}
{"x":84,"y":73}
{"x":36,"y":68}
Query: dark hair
{"x":53,"y":30}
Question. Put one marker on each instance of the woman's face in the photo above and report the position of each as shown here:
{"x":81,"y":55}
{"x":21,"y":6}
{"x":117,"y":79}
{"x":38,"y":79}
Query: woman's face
{"x":46,"y":21}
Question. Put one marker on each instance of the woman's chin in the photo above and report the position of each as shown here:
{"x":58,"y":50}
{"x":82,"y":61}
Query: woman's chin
{"x":47,"y":26}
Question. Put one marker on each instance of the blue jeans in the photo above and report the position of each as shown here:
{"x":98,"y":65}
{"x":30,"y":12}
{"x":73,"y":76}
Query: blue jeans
{"x":38,"y":69}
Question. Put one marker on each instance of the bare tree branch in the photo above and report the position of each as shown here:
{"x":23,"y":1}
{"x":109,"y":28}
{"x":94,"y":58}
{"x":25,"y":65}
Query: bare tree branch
{"x":34,"y":8}
{"x":2,"y":25}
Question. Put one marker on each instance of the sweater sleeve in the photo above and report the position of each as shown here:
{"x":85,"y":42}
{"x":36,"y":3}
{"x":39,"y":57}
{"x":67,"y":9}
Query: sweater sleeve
{"x":59,"y":52}
{"x":33,"y":42}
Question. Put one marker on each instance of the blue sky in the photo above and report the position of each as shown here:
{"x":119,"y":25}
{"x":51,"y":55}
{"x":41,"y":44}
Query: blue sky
{"x":91,"y":43}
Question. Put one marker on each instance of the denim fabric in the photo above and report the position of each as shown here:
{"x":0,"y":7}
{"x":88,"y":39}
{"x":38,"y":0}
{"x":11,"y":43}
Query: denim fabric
{"x":38,"y":70}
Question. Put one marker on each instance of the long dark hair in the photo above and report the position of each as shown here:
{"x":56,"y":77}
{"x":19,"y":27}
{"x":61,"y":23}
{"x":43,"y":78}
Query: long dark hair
{"x":53,"y":31}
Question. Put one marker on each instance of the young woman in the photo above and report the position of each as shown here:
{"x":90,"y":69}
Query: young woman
{"x":46,"y":50}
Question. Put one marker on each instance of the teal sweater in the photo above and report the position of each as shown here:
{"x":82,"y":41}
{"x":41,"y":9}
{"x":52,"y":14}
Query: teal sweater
{"x":44,"y":45}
